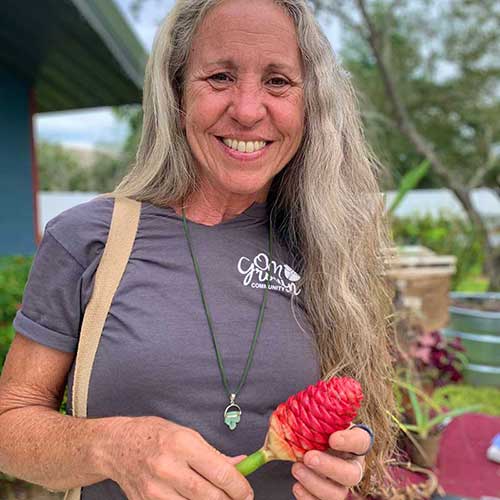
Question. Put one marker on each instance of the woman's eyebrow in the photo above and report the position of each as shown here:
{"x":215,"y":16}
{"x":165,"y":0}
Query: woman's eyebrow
{"x":279,"y":67}
{"x":229,"y":63}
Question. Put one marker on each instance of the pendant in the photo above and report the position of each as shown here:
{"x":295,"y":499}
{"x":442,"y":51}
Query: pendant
{"x":232,"y":417}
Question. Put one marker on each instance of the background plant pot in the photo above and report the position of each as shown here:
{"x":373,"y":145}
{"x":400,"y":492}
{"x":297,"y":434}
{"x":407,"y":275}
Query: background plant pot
{"x":430,"y":447}
{"x":479,"y":331}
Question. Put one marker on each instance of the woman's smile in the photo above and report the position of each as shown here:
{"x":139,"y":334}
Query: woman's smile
{"x":244,"y":150}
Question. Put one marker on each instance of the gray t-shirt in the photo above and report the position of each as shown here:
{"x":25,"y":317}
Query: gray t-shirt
{"x":156,"y":355}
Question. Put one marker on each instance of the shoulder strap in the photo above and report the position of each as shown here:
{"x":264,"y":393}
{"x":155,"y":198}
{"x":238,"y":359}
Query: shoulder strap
{"x":121,"y":237}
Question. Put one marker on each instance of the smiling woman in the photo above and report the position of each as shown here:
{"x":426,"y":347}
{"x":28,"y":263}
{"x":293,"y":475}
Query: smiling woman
{"x":256,"y":270}
{"x":243,"y":85}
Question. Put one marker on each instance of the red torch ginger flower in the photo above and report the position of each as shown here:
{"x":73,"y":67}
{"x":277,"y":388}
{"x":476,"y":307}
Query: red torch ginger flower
{"x":305,"y":421}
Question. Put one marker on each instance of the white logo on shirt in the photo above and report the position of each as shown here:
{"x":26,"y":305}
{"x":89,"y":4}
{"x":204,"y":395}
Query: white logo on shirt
{"x":282,"y":277}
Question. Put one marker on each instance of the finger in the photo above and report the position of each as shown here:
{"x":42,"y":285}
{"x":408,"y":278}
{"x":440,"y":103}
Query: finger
{"x":215,"y":468}
{"x":353,"y":440}
{"x":155,"y":490}
{"x":342,"y":454}
{"x":316,"y":484}
{"x":235,"y":460}
{"x":189,"y":484}
{"x":345,"y":472}
{"x":302,"y":494}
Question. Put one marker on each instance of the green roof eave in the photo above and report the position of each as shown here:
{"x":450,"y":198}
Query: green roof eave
{"x":75,"y":54}
{"x":108,"y":22}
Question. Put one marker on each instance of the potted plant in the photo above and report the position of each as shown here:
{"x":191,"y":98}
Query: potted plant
{"x":437,"y":360}
{"x":423,"y":421}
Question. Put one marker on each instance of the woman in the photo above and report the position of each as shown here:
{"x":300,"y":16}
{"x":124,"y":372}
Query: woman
{"x":257,"y":223}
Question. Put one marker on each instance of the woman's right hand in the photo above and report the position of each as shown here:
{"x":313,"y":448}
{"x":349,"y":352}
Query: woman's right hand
{"x":156,"y":459}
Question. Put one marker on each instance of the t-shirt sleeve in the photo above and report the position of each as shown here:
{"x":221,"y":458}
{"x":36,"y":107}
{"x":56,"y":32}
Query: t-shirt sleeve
{"x":51,"y":313}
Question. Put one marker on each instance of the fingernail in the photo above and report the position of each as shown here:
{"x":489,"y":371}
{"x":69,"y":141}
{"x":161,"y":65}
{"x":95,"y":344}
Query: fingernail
{"x":297,"y":471}
{"x":298,"y":490}
{"x":313,"y":460}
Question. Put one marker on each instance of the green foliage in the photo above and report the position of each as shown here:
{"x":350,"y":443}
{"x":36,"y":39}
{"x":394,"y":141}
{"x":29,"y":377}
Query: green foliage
{"x":447,"y":234}
{"x":14,"y":273}
{"x":409,"y":181}
{"x":442,"y":58}
{"x":132,"y":115}
{"x":426,"y":415}
{"x":457,"y":396}
{"x":6,"y":337}
{"x":473,"y":283}
{"x":59,"y":169}
{"x":106,"y":172}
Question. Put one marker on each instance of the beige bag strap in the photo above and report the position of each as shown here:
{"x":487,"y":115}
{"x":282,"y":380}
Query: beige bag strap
{"x":121,"y":237}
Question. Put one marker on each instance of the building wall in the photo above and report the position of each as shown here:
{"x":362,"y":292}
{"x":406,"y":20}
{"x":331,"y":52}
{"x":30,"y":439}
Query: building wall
{"x":18,"y":224}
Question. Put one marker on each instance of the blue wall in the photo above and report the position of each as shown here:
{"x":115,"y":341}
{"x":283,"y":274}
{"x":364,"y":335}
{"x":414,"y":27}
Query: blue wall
{"x":17,"y":233}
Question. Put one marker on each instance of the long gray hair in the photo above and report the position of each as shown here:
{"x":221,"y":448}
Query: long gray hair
{"x":326,"y":202}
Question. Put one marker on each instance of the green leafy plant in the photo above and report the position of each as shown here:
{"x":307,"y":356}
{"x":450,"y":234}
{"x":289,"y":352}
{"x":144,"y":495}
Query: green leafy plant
{"x":409,"y":181}
{"x":446,"y":234}
{"x":425,"y":416}
{"x":14,"y":271}
{"x":459,"y":395}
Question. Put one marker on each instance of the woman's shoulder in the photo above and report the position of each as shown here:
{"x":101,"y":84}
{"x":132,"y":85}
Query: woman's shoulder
{"x":83,"y":229}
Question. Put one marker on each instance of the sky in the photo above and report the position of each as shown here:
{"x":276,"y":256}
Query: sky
{"x":97,"y":127}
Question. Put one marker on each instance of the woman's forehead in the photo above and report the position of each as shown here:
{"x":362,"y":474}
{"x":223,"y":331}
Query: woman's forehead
{"x":261,"y":29}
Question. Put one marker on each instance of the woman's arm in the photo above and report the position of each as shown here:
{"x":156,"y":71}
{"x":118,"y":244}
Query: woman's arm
{"x":149,"y":457}
{"x":37,"y":443}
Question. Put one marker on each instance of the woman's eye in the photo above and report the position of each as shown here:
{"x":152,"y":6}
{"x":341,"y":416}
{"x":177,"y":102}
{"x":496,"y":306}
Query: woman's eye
{"x":220,"y":78}
{"x":277,"y":81}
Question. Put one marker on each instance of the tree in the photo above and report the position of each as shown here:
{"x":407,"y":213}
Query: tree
{"x":59,"y":169}
{"x":132,"y":115}
{"x":107,"y":171}
{"x":428,"y":77}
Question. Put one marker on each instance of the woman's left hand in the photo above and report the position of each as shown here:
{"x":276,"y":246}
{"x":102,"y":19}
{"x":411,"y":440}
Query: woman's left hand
{"x":337,"y":468}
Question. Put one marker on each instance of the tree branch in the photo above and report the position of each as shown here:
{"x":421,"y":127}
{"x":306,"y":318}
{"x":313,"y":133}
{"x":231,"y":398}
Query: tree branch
{"x":380,"y":117}
{"x":490,"y":164}
{"x":339,"y":13}
{"x":482,"y":173}
{"x":401,"y":113}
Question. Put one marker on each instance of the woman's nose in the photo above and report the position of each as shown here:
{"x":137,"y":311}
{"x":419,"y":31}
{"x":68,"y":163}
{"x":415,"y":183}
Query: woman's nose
{"x":247,"y":106}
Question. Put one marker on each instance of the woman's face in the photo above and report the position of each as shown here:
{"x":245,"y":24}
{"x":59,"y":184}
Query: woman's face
{"x":243,"y":96}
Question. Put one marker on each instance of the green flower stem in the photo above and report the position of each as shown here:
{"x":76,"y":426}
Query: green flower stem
{"x":253,"y":462}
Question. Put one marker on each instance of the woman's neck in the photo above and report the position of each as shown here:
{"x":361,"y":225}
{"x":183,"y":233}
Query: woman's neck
{"x":210,"y":207}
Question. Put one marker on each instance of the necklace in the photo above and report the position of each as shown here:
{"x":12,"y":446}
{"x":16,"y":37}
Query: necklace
{"x":232,"y":413}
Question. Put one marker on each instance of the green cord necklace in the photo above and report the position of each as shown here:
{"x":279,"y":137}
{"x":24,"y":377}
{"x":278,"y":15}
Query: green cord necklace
{"x":232,"y":413}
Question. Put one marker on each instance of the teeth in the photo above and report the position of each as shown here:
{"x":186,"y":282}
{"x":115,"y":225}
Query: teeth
{"x":244,"y":147}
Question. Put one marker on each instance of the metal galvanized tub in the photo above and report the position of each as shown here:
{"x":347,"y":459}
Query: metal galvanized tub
{"x":479,"y":331}
{"x":482,"y":375}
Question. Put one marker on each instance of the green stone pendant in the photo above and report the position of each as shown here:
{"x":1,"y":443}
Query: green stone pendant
{"x":232,"y":416}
